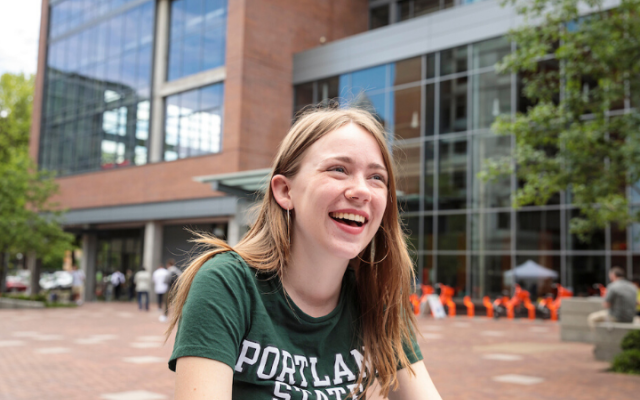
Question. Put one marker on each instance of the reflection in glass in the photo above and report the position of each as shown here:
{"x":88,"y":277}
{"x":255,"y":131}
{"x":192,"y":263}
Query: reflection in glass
{"x":452,"y":271}
{"x":496,"y":192}
{"x":491,"y":231}
{"x":453,"y":61}
{"x":540,"y":287}
{"x":595,"y":242}
{"x":618,"y":238}
{"x":430,"y":111}
{"x":406,"y":112}
{"x":193,"y":122}
{"x":452,"y":177}
{"x":303,"y":96}
{"x":379,"y":17}
{"x":429,"y":171}
{"x":489,"y":52}
{"x":453,"y":105}
{"x":487,"y":276}
{"x":412,"y":230}
{"x":538,"y":230}
{"x":96,"y":78}
{"x":328,"y":89}
{"x":197,"y":39}
{"x":407,"y":157}
{"x":370,"y":79}
{"x":431,"y":65}
{"x":491,"y":95}
{"x":452,"y":232}
{"x":583,"y":272}
{"x":407,"y":71}
{"x":428,"y":233}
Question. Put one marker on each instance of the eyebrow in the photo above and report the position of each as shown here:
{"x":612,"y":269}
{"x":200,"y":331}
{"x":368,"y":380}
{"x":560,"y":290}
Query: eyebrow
{"x":349,"y":160}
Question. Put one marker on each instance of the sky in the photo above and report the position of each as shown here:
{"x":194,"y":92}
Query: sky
{"x":19,"y":33}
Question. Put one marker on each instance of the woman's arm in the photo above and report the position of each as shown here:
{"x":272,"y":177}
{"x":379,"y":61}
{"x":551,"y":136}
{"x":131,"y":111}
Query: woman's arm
{"x":418,"y":387}
{"x":201,"y":378}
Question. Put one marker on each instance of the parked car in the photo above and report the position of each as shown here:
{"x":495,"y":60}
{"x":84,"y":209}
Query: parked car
{"x":15,"y":284}
{"x":56,"y":280}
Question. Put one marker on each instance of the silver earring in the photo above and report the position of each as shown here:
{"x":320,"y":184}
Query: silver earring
{"x":288,"y":227}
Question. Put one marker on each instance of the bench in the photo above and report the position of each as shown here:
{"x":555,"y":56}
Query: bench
{"x":573,"y":318}
{"x":607,"y":339}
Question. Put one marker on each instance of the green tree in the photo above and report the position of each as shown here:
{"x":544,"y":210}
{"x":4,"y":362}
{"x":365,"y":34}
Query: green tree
{"x":29,"y":221}
{"x":581,"y":131}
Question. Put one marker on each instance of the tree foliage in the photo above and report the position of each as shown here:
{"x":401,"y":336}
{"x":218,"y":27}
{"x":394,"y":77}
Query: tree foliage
{"x":29,"y":221}
{"x":579,"y":64}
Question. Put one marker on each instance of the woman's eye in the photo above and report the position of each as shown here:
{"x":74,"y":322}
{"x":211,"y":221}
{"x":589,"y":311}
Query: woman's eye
{"x":339,"y":169}
{"x":380,"y":178}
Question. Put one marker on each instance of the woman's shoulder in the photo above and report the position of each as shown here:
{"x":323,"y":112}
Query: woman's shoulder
{"x":227,"y":266}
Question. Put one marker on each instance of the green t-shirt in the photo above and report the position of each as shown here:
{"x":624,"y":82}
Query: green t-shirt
{"x":242,"y":318}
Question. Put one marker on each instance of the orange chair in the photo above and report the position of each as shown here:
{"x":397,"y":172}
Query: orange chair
{"x":446,"y":295}
{"x":471,"y":308}
{"x":486,"y":301}
{"x":415,"y":302}
{"x":602,"y":288}
{"x":523,"y":297}
{"x":550,"y":304}
{"x":506,"y":303}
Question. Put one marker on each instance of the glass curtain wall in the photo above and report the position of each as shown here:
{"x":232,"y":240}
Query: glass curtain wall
{"x":385,"y":12}
{"x":198,"y":36}
{"x":193,"y":123}
{"x":97,"y":85}
{"x":461,"y":230}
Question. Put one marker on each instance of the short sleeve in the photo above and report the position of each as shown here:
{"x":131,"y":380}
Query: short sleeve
{"x":215,"y":316}
{"x":411,"y":350}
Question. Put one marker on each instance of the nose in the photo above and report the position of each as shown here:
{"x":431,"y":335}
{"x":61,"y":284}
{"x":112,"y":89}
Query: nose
{"x":358,"y":191}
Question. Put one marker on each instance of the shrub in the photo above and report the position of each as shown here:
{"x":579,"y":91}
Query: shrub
{"x":627,"y":362}
{"x":631,"y":341}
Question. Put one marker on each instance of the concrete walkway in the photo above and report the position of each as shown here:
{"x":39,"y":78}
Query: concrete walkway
{"x":111,"y":351}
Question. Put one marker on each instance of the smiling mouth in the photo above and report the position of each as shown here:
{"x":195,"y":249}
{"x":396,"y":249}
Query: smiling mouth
{"x":349,"y":219}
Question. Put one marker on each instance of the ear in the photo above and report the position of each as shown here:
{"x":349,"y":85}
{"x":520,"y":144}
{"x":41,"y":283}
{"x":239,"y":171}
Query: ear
{"x":280,"y":186}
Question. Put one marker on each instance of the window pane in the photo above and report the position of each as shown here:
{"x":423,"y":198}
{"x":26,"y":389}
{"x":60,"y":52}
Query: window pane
{"x":489,"y":52}
{"x":429,"y":172}
{"x":538,"y":230}
{"x":452,"y":232}
{"x":422,"y":7}
{"x":452,"y":271}
{"x":406,"y":106}
{"x":328,"y":89}
{"x":452,"y":177}
{"x":491,"y":231}
{"x":431,"y":65}
{"x":583,"y":272}
{"x":453,"y":105}
{"x":193,"y":123}
{"x":430,"y":112}
{"x":303,"y":96}
{"x":369,"y":79}
{"x":379,"y":17}
{"x":407,"y":71}
{"x":407,"y":157}
{"x":487,"y":276}
{"x":491,"y":95}
{"x":540,"y":287}
{"x":411,"y":229}
{"x":595,"y":242}
{"x":453,"y":61}
{"x":618,"y":238}
{"x":497,"y":192}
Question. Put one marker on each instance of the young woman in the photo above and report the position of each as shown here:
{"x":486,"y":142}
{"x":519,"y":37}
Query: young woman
{"x":313,"y":303}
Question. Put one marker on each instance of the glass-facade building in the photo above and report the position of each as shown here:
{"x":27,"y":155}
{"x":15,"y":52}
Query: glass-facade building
{"x":462,"y":230}
{"x":99,"y":83}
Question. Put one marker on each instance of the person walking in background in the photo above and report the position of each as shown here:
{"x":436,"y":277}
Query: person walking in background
{"x":77,"y":285}
{"x":637,"y":283}
{"x":620,"y":302}
{"x":160,"y":286}
{"x":142,"y":281}
{"x":131,"y":287}
{"x":117,"y":279}
{"x":173,"y":273}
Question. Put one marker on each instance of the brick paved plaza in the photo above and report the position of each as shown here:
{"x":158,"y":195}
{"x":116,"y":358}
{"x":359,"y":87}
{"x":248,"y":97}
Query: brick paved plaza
{"x":111,"y":351}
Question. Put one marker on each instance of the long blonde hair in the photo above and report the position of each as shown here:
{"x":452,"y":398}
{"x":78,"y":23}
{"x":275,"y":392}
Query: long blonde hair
{"x":383,"y":287}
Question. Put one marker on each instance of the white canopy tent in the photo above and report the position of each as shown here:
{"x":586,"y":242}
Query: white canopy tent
{"x":529,"y":271}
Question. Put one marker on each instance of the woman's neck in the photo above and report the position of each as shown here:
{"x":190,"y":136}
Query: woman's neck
{"x":313,"y":281}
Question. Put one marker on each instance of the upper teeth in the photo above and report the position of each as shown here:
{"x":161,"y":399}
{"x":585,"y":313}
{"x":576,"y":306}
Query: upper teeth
{"x":352,"y":217}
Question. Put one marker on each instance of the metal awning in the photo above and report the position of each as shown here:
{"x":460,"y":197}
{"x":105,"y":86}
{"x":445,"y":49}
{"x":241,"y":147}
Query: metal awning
{"x":246,"y":184}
